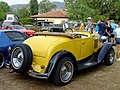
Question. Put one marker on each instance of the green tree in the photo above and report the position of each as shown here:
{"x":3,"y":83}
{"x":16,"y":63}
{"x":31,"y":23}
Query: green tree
{"x":78,"y":11}
{"x":26,"y":21}
{"x":22,"y":13}
{"x":33,"y":7}
{"x":107,"y":9}
{"x":2,"y":15}
{"x":4,"y":7}
{"x":46,"y":6}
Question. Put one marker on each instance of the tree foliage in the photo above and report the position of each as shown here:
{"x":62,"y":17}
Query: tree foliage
{"x":26,"y":21}
{"x":4,"y":8}
{"x":46,"y":6}
{"x":22,"y":13}
{"x":33,"y":7}
{"x":97,"y":9}
{"x":2,"y":16}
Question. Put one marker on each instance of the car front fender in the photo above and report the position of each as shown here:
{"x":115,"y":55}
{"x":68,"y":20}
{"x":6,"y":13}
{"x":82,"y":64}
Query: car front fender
{"x":104,"y":51}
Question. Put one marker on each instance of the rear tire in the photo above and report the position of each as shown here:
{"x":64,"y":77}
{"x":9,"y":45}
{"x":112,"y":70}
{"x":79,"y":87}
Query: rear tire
{"x":63,"y":71}
{"x":21,"y":58}
{"x":2,"y":60}
{"x":110,"y":57}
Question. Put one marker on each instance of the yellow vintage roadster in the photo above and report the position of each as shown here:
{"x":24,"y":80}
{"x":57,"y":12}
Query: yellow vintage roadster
{"x":56,"y":56}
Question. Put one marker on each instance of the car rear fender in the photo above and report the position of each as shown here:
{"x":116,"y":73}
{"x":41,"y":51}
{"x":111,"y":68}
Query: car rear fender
{"x":55,"y":59}
{"x":104,"y":51}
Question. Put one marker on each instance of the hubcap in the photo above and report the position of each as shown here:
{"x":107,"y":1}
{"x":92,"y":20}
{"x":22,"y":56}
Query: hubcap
{"x":17,"y":58}
{"x":111,"y":57}
{"x":66,"y":71}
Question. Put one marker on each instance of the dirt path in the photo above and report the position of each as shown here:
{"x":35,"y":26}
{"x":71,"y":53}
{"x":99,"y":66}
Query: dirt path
{"x":96,"y":78}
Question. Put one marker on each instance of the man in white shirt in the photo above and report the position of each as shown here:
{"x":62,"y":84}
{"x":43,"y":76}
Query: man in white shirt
{"x":117,"y":41}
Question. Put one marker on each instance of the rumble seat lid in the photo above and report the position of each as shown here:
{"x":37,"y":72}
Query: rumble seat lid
{"x":70,"y":35}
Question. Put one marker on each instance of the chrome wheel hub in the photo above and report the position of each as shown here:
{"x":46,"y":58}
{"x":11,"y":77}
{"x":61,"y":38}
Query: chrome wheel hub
{"x":66,"y":71}
{"x":17,"y":58}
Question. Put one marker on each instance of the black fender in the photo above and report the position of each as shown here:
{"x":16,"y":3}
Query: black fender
{"x":53,"y":61}
{"x":104,"y":51}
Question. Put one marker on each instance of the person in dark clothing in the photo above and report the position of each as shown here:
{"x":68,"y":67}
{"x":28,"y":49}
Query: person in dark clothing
{"x":108,"y":29}
{"x":102,"y":28}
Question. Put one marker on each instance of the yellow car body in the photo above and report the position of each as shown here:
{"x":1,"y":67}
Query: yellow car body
{"x":45,"y":47}
{"x":60,"y":53}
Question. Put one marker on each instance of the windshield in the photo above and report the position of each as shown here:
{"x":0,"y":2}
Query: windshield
{"x":15,"y":36}
{"x":44,"y":23}
{"x":17,"y":27}
{"x":6,"y":24}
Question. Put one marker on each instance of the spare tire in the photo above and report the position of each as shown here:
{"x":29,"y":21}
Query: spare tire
{"x":21,"y":58}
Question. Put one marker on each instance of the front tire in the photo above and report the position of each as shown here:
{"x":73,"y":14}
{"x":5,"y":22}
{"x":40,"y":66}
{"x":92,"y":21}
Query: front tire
{"x":2,"y":60}
{"x":21,"y":58}
{"x":110,"y":57}
{"x":63,"y":71}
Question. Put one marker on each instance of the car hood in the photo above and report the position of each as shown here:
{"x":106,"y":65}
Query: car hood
{"x":40,"y":44}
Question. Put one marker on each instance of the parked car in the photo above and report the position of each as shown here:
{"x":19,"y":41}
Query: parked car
{"x":43,"y":23}
{"x":21,"y":29}
{"x":57,"y":56}
{"x":8,"y":39}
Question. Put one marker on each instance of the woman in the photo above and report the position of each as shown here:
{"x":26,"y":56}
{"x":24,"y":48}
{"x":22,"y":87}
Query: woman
{"x":117,"y":41}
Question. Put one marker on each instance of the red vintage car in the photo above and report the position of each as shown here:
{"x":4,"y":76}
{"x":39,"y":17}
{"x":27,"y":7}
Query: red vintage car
{"x":20,"y":28}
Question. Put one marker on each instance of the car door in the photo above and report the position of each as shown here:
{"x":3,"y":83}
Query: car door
{"x":87,"y":47}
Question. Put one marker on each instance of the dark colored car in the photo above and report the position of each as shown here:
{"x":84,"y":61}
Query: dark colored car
{"x":8,"y":39}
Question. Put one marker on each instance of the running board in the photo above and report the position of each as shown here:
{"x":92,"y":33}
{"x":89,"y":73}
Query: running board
{"x":86,"y":64}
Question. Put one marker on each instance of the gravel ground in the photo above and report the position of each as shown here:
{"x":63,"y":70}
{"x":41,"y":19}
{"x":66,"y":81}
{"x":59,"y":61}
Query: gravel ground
{"x":99,"y":77}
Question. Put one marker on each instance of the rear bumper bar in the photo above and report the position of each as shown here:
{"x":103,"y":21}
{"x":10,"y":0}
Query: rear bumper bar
{"x":38,"y":75}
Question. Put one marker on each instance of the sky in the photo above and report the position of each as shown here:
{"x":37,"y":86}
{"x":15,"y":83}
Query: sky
{"x":13,"y":2}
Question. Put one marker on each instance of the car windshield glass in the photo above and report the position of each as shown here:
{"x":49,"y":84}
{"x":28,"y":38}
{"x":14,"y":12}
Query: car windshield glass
{"x":15,"y":36}
{"x":44,"y":23}
{"x":17,"y":27}
{"x":6,"y":24}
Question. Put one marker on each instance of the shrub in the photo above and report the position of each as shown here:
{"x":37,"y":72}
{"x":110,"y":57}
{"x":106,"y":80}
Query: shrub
{"x":26,"y":21}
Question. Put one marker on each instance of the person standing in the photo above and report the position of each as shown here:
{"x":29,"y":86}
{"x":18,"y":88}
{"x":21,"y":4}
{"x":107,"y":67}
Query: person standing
{"x":102,"y":28}
{"x":114,"y":26}
{"x":81,"y":26}
{"x":89,"y":25}
{"x":117,"y":41}
{"x":108,"y":29}
{"x":65,"y":25}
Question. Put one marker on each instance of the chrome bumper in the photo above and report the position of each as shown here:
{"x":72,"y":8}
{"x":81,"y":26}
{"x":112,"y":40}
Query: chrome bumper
{"x":38,"y":75}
